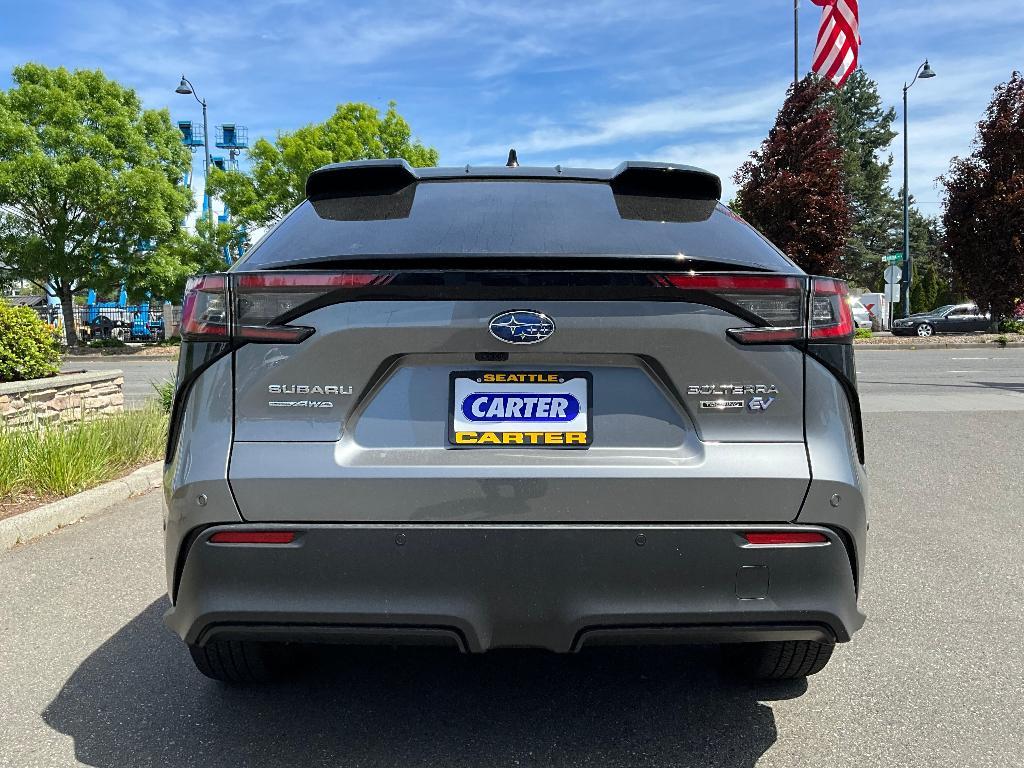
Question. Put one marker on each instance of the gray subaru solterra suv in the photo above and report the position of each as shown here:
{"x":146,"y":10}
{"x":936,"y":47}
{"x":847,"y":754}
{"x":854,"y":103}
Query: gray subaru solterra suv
{"x":515,"y":407}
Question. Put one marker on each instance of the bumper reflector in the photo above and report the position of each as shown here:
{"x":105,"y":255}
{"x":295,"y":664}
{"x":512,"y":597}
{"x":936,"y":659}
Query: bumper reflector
{"x":253,"y":537}
{"x":772,"y":538}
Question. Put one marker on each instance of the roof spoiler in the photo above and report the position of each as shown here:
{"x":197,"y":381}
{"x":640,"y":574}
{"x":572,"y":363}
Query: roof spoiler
{"x":664,"y":192}
{"x":361,"y":178}
{"x":384,"y":189}
{"x":668,"y":180}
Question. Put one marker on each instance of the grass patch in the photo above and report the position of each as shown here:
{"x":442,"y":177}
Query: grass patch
{"x":862,"y":333}
{"x":12,"y":449}
{"x":63,"y":459}
{"x":164,"y":393}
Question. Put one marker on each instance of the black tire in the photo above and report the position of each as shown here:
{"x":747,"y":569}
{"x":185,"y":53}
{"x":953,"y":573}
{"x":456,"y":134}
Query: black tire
{"x":239,"y":662}
{"x":785,"y":660}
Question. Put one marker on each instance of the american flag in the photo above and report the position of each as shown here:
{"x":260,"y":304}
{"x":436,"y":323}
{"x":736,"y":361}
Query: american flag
{"x":835,"y":56}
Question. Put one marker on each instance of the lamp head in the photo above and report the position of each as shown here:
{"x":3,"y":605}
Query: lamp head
{"x":927,"y":71}
{"x":186,"y":89}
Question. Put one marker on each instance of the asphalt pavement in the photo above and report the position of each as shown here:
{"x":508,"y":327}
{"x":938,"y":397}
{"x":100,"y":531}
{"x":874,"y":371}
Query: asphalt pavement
{"x":935,"y":678}
{"x":941,"y":380}
{"x":140,"y":373}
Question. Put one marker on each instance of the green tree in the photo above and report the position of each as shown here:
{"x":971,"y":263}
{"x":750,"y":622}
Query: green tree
{"x":864,"y":130}
{"x":792,"y":186}
{"x":984,"y":206}
{"x":931,"y":264}
{"x":176,"y":258}
{"x":277,"y":180}
{"x":86,"y":177}
{"x":932,"y":275}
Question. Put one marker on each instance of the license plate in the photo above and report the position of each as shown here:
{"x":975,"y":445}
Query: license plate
{"x":520,"y":409}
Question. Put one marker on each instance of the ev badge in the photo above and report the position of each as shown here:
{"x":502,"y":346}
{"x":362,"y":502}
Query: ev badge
{"x":760,"y":403}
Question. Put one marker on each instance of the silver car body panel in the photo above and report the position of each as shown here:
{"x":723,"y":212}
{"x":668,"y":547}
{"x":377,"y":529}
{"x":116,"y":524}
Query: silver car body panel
{"x":343,"y":441}
{"x":382,"y":454}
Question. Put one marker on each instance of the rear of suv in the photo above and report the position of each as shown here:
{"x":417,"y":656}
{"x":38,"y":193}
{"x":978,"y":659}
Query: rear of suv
{"x":515,"y":407}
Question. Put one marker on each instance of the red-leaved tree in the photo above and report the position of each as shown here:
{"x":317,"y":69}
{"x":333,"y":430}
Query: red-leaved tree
{"x":792,"y":187}
{"x":984,"y":207}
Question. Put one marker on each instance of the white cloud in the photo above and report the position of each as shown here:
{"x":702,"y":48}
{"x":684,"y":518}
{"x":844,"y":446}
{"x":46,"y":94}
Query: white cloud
{"x":943,"y":114}
{"x":684,"y":114}
{"x":720,"y":157}
{"x":951,"y":14}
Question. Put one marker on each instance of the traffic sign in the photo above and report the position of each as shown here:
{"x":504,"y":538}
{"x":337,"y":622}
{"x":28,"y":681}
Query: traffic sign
{"x":892,"y":292}
{"x":892,"y":258}
{"x":893,"y":274}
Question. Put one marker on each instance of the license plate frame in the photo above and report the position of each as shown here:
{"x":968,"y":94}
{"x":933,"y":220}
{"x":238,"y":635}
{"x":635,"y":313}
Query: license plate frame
{"x":536,"y":384}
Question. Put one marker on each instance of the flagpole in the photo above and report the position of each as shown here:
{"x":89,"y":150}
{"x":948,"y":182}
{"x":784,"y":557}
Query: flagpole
{"x":796,"y":41}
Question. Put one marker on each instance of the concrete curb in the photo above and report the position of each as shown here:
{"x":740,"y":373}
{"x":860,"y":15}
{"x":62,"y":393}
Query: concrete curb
{"x":133,"y":356}
{"x":49,"y":517}
{"x":916,"y":347}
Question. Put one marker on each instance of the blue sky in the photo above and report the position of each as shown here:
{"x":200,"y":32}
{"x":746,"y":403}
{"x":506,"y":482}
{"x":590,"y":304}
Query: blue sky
{"x":577,"y":83}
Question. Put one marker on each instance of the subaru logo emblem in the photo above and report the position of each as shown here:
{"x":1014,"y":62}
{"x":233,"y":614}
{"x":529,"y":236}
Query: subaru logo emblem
{"x":521,"y":326}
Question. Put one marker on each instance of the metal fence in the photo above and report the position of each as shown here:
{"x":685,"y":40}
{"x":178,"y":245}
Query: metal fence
{"x":132,"y":323}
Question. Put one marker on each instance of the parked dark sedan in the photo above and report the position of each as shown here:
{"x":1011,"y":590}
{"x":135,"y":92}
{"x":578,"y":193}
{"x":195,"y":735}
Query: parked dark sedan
{"x":952,"y":318}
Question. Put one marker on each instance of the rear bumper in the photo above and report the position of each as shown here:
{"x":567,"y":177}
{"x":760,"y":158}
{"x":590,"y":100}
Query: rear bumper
{"x":558,"y":587}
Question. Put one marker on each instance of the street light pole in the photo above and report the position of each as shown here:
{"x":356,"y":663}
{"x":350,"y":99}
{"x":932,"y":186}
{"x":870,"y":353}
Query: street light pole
{"x":796,"y":41}
{"x":924,"y":72}
{"x":185,"y":87}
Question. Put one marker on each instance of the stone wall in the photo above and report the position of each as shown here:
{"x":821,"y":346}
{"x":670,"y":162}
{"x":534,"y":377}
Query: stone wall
{"x":66,"y":397}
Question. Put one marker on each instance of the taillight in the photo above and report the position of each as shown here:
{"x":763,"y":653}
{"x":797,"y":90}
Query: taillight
{"x":204,"y":312}
{"x":257,"y":307}
{"x":781,"y":538}
{"x":831,"y":316}
{"x":253,"y":537}
{"x":776,"y":305}
{"x":775,"y":302}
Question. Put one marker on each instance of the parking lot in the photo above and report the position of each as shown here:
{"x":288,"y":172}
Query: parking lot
{"x":91,"y":677}
{"x":140,"y":373}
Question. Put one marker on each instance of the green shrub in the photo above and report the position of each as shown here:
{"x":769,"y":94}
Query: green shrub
{"x":862,"y":333}
{"x":1001,"y":340}
{"x":1011,"y":326}
{"x":106,"y":343}
{"x":29,"y":348}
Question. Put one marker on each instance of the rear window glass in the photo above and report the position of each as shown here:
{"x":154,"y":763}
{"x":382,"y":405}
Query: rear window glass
{"x":483,"y":218}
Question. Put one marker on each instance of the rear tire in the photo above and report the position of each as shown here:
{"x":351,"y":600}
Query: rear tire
{"x":785,"y":660}
{"x":239,"y":662}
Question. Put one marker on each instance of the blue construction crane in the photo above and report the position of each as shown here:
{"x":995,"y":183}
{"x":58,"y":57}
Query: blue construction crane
{"x":231,"y":136}
{"x":190,"y":137}
{"x":234,"y":138}
{"x":193,"y":139}
{"x":121,"y":320}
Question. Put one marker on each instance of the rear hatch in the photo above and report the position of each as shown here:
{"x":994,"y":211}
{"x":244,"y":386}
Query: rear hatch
{"x":497,"y":350}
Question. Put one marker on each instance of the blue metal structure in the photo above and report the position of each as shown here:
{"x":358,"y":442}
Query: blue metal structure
{"x":190,"y":137}
{"x":121,"y":319}
{"x":231,"y":136}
